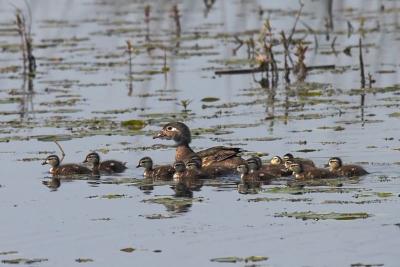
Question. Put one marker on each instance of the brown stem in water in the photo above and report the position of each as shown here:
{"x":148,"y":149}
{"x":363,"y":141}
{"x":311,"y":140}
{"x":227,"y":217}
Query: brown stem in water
{"x":362,"y":73}
{"x":62,"y":151}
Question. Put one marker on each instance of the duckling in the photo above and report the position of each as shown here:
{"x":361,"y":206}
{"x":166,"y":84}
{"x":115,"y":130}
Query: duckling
{"x":316,"y":173}
{"x":219,"y":156}
{"x":183,"y":176}
{"x":164,"y":172}
{"x":254,"y":165}
{"x":303,"y":161}
{"x":276,"y":167}
{"x":248,"y":178}
{"x":65,"y":169}
{"x":193,"y":169}
{"x":108,"y":166}
{"x":212,"y":171}
{"x":336,"y":166}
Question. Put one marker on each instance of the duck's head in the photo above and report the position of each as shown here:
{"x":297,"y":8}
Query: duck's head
{"x":296,"y":168}
{"x":92,"y":158}
{"x":334,"y":163}
{"x":253,"y":163}
{"x":276,"y":160}
{"x":179,"y":166}
{"x":176,"y":131}
{"x":52,"y":160}
{"x":192,"y":165}
{"x":288,"y":156}
{"x":146,"y":163}
{"x":243,"y":169}
{"x":288,"y":163}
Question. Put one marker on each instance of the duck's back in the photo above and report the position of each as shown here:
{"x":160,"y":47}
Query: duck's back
{"x":221,"y":156}
{"x":71,"y":169}
{"x":163,"y":172}
{"x":352,"y":170}
{"x":112,"y":166}
{"x":319,"y":173}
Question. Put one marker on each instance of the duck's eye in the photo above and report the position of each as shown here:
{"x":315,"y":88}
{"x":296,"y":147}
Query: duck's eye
{"x":169,"y":128}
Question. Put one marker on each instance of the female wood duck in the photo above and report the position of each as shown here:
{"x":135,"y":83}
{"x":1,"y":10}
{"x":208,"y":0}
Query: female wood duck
{"x":315,"y":173}
{"x":108,"y":166}
{"x":164,"y":172}
{"x":64,"y":169}
{"x":254,"y":166}
{"x":336,"y":166}
{"x":218,"y":156}
{"x":303,"y":161}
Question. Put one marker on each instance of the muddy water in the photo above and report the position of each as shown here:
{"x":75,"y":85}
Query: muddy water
{"x":82,"y":93}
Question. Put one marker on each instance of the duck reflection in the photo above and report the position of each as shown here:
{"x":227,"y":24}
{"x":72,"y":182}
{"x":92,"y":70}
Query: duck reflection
{"x":53,"y":184}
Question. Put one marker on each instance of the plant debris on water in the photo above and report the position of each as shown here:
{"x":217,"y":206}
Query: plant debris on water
{"x":309,"y":215}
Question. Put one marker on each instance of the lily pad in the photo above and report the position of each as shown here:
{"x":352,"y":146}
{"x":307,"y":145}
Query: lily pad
{"x":23,"y":261}
{"x":234,"y":259}
{"x":210,"y":99}
{"x":309,"y":215}
{"x":134,"y":124}
{"x":83,"y":260}
{"x":128,"y":250}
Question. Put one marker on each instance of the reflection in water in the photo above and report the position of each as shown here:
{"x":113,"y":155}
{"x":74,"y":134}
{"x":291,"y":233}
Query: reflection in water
{"x":26,"y":104}
{"x":208,"y":4}
{"x":54,"y":183}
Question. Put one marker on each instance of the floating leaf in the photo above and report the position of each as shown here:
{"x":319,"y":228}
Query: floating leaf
{"x":23,"y":261}
{"x":52,"y":138}
{"x":128,"y":250}
{"x":134,"y":124}
{"x":384,"y":194}
{"x":309,"y":215}
{"x":83,"y":260}
{"x":232,"y":259}
{"x":210,"y":99}
{"x":113,"y":196}
{"x":8,"y":252}
{"x":255,"y":258}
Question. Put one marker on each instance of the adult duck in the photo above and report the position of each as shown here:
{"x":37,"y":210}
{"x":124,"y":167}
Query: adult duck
{"x":217,"y":157}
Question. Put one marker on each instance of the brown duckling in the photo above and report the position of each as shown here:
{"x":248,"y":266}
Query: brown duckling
{"x":164,"y":172}
{"x":336,"y":166}
{"x":251,"y":179}
{"x":303,"y":161}
{"x":107,"y":166}
{"x":193,"y":169}
{"x":218,"y":156}
{"x":299,"y":172}
{"x":182,"y":175}
{"x":275,"y":168}
{"x":211,"y":171}
{"x":254,"y":166}
{"x":64,"y":169}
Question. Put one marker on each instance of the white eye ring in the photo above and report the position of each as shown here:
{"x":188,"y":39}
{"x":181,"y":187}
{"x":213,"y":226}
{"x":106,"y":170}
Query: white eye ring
{"x":170,"y":128}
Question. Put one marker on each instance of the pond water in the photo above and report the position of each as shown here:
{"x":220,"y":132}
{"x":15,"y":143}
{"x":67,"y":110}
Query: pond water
{"x":82,"y":92}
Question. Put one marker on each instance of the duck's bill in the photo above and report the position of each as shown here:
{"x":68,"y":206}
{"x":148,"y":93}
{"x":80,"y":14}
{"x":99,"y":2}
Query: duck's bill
{"x":44,"y":162}
{"x":159,"y":135}
{"x":138,"y":166}
{"x":85,"y":161}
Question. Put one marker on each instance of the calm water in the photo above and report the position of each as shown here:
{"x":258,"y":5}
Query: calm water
{"x":82,"y":93}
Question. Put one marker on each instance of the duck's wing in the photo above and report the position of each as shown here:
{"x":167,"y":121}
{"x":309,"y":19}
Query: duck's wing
{"x":219,"y":153}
